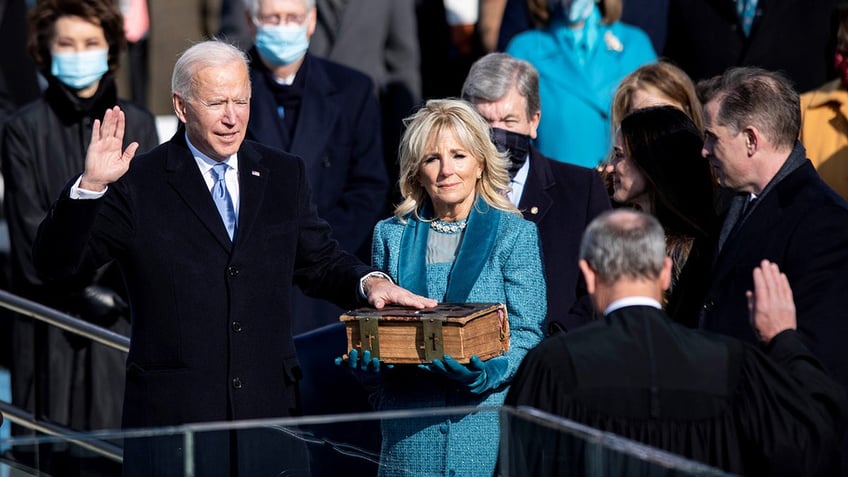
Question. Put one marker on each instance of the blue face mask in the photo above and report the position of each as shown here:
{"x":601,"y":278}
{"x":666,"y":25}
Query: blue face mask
{"x":281,"y":45}
{"x":81,"y":69}
{"x":580,"y":10}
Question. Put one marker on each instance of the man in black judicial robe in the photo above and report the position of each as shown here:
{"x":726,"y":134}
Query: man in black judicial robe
{"x":704,"y":396}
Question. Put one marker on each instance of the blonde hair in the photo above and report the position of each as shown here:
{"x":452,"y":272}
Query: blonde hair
{"x":671,"y":81}
{"x":472,"y":131}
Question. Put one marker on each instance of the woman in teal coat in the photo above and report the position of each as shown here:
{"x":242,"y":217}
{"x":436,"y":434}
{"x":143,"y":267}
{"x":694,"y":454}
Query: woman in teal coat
{"x":582,"y":54}
{"x":456,"y":237}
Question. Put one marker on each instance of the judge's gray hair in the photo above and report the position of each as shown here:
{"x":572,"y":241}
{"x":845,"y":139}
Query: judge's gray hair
{"x":211,"y":53}
{"x":624,"y":243}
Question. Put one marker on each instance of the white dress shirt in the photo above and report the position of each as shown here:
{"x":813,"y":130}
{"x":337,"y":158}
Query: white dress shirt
{"x":204,"y":163}
{"x":517,"y":184}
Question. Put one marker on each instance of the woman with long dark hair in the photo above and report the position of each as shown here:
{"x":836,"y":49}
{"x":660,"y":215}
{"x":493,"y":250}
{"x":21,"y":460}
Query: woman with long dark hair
{"x":657,"y":167}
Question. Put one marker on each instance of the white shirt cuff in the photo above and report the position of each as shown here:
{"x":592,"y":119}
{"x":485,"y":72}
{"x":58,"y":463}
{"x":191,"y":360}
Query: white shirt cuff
{"x":370,"y":275}
{"x":82,"y":194}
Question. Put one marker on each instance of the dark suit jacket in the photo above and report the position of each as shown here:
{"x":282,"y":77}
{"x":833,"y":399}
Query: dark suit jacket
{"x":700,"y":395}
{"x":377,"y":37}
{"x":338,"y":137}
{"x":211,"y":337}
{"x":801,"y":225}
{"x":561,"y":199}
{"x":797,"y":36}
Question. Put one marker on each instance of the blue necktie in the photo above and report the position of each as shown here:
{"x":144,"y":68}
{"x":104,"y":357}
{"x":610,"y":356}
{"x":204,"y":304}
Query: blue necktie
{"x":222,"y":198}
{"x":746,"y":10}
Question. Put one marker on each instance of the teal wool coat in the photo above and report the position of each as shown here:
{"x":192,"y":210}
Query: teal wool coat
{"x":498,"y":261}
{"x":576,"y":100}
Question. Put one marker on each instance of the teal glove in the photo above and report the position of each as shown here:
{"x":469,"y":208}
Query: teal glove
{"x":367,"y":369}
{"x":479,"y":376}
{"x":367,"y":364}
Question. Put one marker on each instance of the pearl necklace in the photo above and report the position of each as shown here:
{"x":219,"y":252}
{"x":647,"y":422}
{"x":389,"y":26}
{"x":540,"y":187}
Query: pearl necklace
{"x":448,"y":227}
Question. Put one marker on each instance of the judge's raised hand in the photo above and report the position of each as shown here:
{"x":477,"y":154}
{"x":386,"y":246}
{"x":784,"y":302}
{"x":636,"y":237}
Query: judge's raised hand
{"x":771,"y":306}
{"x":106,"y":160}
{"x":382,"y":292}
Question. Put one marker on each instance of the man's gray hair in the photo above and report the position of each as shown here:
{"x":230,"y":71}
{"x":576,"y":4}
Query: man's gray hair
{"x":754,"y":96}
{"x":624,"y":243}
{"x":252,"y":6}
{"x":492,"y":76}
{"x":210,"y":53}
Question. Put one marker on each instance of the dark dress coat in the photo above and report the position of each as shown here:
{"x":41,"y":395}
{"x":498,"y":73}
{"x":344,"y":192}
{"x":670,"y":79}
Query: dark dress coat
{"x":337,"y":134}
{"x":380,"y":39}
{"x":211,"y":337}
{"x":802,"y":226}
{"x":704,"y":396}
{"x":43,"y":145}
{"x":561,"y":199}
{"x":705,"y":37}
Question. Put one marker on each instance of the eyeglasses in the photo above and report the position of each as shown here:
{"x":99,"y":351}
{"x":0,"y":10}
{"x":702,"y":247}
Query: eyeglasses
{"x":280,"y":19}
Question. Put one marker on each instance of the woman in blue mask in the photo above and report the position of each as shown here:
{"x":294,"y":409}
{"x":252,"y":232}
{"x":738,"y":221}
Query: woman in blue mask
{"x":582,"y":52}
{"x":75,"y":44}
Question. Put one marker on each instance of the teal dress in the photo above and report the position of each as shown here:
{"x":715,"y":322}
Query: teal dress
{"x":576,"y":84}
{"x":498,"y":260}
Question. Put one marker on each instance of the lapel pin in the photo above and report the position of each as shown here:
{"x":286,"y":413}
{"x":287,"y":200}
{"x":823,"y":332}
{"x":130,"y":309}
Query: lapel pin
{"x":534,"y":210}
{"x":255,"y":173}
{"x":613,"y":43}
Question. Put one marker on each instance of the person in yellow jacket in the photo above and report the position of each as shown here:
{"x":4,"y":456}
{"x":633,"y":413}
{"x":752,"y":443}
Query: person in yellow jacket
{"x":824,"y":116}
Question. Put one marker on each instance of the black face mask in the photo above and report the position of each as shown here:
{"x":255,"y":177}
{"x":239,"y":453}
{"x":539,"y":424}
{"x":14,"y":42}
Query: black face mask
{"x":518,"y":145}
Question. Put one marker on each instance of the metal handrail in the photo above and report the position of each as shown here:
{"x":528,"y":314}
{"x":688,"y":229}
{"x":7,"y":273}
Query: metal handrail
{"x":63,"y":321}
{"x":76,"y":326}
{"x":18,"y":416}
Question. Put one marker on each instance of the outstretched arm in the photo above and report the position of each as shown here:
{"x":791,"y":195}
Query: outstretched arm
{"x":796,"y":417}
{"x":381,"y":292}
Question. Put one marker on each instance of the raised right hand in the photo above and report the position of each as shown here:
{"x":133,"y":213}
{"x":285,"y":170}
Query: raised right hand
{"x":771,"y":305}
{"x":105,"y":163}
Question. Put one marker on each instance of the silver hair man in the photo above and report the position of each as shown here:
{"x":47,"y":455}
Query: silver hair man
{"x":214,"y":54}
{"x":624,"y":243}
{"x":492,"y":76}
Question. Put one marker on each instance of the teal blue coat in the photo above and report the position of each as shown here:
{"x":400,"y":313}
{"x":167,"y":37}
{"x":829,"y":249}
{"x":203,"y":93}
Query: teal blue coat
{"x":576,"y":100}
{"x":498,"y":261}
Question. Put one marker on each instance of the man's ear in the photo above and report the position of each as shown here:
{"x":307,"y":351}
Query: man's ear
{"x":534,"y":124}
{"x":752,"y":135}
{"x":179,"y":107}
{"x":589,"y":275}
{"x":665,"y":274}
{"x":311,"y":22}
{"x":252,"y":29}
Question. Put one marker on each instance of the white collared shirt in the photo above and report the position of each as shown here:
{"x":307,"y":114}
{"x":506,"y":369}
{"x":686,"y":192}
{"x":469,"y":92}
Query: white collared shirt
{"x":632,"y":301}
{"x":205,"y":164}
{"x":517,"y":184}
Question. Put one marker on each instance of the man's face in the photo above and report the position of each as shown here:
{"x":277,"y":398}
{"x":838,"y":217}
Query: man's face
{"x":216,"y":114}
{"x":727,"y":152}
{"x":286,"y":12}
{"x":510,"y":113}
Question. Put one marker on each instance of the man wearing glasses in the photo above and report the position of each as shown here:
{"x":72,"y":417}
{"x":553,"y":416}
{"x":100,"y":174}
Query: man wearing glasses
{"x":327,"y":114}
